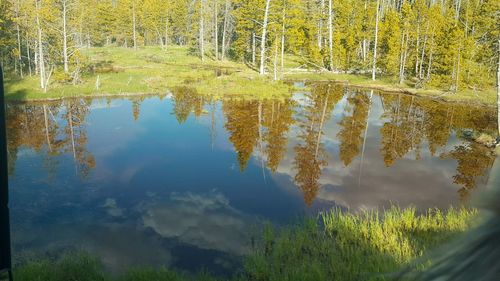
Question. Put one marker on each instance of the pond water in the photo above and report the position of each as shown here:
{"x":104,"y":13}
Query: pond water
{"x":185,"y":181}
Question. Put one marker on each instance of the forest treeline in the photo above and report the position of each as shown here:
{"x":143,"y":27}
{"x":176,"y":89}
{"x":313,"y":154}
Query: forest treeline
{"x":448,"y":44}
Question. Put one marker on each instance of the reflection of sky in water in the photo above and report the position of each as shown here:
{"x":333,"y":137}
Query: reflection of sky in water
{"x":164,"y":193}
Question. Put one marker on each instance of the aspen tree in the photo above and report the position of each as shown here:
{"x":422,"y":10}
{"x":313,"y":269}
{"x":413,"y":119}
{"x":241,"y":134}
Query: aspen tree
{"x":374,"y":66}
{"x":263,"y":39}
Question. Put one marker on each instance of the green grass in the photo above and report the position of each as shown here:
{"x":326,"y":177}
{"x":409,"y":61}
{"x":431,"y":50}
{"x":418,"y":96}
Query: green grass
{"x":340,"y":246}
{"x":364,"y":246}
{"x":152,"y":70}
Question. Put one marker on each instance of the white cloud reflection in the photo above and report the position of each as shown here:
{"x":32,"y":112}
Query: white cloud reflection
{"x":207,"y":222}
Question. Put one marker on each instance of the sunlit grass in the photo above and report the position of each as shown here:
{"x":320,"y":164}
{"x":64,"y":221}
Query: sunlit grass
{"x":340,"y":246}
{"x":363,"y":246}
{"x":153,"y":70}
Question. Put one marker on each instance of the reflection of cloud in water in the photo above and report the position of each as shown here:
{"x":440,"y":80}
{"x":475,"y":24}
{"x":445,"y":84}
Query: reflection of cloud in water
{"x":207,"y":222}
{"x":112,"y":208}
{"x":121,"y":247}
{"x":400,"y":185}
{"x":380,"y":185}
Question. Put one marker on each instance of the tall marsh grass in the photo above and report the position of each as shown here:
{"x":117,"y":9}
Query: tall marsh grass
{"x":364,"y":246}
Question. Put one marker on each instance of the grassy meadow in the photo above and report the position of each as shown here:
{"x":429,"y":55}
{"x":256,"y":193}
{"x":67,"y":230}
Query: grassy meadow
{"x":336,"y":246}
{"x":114,"y":71}
{"x":150,"y":70}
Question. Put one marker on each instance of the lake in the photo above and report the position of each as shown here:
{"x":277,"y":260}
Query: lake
{"x":184,"y":181}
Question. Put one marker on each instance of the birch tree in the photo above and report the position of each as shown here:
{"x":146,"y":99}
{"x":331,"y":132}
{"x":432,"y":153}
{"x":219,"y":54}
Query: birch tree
{"x":64,"y":14}
{"x":374,"y":66}
{"x":41,"y":57}
{"x":330,"y":32}
{"x":216,"y":29}
{"x":262,"y":70}
{"x":225,"y":28}
{"x":201,"y":36}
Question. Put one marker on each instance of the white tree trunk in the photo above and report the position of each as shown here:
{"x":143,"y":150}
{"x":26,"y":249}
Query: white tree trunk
{"x":216,"y":29}
{"x":420,"y":71}
{"x":202,"y":33}
{"x":253,"y":48}
{"x":276,"y":59}
{"x":41,"y":60}
{"x":20,"y":58}
{"x":429,"y":67}
{"x":320,"y":25}
{"x":65,"y":36}
{"x":330,"y":32}
{"x":374,"y":67}
{"x":363,"y":47}
{"x":166,"y":33}
{"x":263,"y":40}
{"x":403,"y":56}
{"x":224,"y":30}
{"x":35,"y":59}
{"x":28,"y":52}
{"x":283,"y":30}
{"x":134,"y":26}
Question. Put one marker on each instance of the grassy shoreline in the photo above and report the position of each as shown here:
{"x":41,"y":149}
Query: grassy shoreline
{"x":119,"y":72}
{"x":486,"y":98}
{"x":340,"y":246}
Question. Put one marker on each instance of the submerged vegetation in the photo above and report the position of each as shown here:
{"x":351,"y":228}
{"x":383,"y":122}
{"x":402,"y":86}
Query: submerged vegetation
{"x":340,"y":246}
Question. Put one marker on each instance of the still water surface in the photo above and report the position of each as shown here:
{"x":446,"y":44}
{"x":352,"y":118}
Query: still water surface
{"x":184,"y":181}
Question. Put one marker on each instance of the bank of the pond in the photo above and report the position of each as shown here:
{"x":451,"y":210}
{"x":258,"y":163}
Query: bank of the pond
{"x":486,"y":98}
{"x":115,"y":71}
{"x":339,"y":246}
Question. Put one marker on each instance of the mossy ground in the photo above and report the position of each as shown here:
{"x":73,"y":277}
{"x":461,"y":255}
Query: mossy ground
{"x":339,"y":246}
{"x":152,"y":70}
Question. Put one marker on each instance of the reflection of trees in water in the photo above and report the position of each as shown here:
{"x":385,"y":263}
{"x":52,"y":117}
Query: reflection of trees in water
{"x":31,"y":126}
{"x":278,"y":117}
{"x":474,"y":162}
{"x":136,"y":106}
{"x":259,"y":123}
{"x":59,"y":128}
{"x":76,"y":135}
{"x":352,"y":126}
{"x":54,"y":129}
{"x":413,"y":120}
{"x":243,"y":126}
{"x":310,"y":155}
{"x":403,"y":132}
{"x":187,"y":101}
